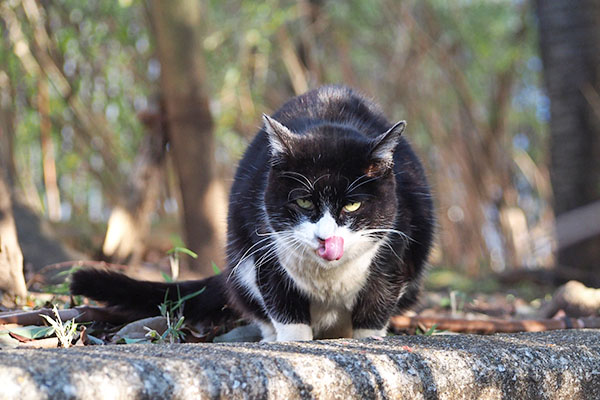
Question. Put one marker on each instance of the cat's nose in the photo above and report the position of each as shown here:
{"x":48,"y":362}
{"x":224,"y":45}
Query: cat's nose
{"x":325,"y":227}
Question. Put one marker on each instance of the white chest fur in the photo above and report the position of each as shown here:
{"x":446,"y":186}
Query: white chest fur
{"x":333,"y":289}
{"x":337,"y":284}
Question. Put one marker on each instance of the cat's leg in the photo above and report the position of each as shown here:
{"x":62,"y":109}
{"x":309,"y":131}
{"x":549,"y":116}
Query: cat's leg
{"x":374,"y":307}
{"x":285,"y":305}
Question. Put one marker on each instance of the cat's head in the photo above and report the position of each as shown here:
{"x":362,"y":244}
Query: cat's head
{"x":331,"y":191}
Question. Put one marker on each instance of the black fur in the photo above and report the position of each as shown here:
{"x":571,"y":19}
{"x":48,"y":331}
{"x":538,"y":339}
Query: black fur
{"x":332,"y":136}
{"x":140,"y":299}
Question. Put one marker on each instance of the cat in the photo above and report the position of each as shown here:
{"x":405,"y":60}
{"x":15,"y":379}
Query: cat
{"x":329,"y":228}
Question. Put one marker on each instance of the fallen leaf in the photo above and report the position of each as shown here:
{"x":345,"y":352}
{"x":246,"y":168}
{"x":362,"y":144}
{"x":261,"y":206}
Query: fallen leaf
{"x":20,"y":338}
{"x":33,"y":331}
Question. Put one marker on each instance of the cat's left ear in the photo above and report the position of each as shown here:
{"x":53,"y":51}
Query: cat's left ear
{"x":280,"y":137}
{"x":382,"y":151}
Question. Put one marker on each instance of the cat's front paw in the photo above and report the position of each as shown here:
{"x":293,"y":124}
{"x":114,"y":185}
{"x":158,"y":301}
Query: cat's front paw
{"x":267,"y":331}
{"x":293,"y":332}
{"x":377,"y":334}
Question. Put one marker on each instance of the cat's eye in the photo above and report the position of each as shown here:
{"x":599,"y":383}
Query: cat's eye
{"x":351,"y":207}
{"x":305,"y":203}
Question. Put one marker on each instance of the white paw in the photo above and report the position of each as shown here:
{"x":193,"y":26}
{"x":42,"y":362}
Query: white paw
{"x":292,"y":332}
{"x":377,"y":334}
{"x":267,"y":331}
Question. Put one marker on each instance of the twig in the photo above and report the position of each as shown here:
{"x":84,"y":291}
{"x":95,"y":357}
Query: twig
{"x":81,"y":263}
{"x":46,"y":343}
{"x":80,"y":314}
{"x":492,"y":325}
{"x":292,"y":63}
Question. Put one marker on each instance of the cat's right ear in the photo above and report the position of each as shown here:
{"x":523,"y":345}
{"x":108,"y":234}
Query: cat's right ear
{"x":280,"y":137}
{"x":383,"y":147}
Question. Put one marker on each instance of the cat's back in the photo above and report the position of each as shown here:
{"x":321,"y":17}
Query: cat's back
{"x":332,"y":104}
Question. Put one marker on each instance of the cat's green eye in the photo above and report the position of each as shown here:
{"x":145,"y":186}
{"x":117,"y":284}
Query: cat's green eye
{"x":306,"y":204}
{"x":351,"y":207}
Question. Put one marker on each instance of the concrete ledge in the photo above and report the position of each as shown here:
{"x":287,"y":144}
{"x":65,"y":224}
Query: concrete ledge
{"x":548,"y":365}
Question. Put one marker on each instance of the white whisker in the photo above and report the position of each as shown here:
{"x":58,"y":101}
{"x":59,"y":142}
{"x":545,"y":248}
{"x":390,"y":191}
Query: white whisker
{"x":302,"y":180}
{"x":356,"y":184}
{"x":384,"y":230}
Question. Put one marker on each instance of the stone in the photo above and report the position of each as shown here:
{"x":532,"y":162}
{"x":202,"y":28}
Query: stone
{"x":550,"y":365}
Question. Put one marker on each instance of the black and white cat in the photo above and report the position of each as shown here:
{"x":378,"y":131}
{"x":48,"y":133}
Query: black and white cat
{"x":330,"y":225}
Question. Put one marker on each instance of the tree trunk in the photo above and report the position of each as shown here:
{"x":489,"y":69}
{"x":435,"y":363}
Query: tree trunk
{"x":7,"y":132}
{"x":12,"y":281}
{"x":570,"y":46}
{"x":177,"y":27}
{"x":48,"y":161}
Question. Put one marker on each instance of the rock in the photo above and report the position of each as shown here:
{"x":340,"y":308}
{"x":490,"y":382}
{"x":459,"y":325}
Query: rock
{"x":137,"y":329}
{"x":246,"y":333}
{"x":575,"y":299}
{"x":550,"y":365}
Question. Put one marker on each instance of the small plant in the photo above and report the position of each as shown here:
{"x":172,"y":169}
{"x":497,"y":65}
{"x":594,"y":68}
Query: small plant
{"x":174,"y":257}
{"x":172,"y":310}
{"x":172,"y":334}
{"x":429,"y":332}
{"x":457,"y":301}
{"x":65,"y":332}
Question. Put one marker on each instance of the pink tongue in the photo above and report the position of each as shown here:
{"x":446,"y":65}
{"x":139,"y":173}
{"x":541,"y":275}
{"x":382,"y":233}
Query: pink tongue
{"x":332,"y":248}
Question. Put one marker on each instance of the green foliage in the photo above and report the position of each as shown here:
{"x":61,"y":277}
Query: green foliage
{"x":104,"y":51}
{"x":435,"y":63}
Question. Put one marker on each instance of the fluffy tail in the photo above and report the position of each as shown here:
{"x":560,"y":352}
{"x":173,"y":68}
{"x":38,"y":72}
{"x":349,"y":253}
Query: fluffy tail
{"x":140,"y":299}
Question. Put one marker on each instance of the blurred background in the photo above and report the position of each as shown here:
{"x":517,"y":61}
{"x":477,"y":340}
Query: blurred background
{"x":121,"y":123}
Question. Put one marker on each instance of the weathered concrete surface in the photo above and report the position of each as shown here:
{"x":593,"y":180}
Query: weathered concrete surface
{"x":549,"y":365}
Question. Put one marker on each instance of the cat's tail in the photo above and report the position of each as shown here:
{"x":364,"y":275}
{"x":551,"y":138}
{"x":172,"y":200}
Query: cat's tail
{"x":205,"y":300}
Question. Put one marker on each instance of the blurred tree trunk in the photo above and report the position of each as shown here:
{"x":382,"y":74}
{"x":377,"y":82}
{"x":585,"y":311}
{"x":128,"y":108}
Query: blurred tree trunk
{"x":7,"y":134}
{"x":177,"y":28}
{"x":48,"y":160}
{"x":12,"y":281}
{"x":570,"y":46}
